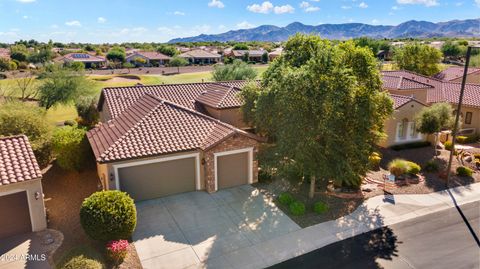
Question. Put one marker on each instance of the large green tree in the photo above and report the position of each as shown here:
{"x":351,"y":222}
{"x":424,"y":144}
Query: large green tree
{"x":167,"y":50}
{"x":431,"y":120}
{"x":322,"y":108}
{"x":419,"y":58}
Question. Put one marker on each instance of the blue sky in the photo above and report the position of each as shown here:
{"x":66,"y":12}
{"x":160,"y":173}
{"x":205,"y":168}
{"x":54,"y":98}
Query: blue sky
{"x":161,"y":20}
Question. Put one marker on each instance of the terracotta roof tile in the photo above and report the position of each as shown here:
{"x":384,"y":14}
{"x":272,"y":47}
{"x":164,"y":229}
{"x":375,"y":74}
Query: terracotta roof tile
{"x":153,"y":126}
{"x":199,"y":54}
{"x":455,"y":72}
{"x":403,"y":83}
{"x":152,"y":55}
{"x":17,"y":161}
{"x":401,"y":100}
{"x":220,"y":96}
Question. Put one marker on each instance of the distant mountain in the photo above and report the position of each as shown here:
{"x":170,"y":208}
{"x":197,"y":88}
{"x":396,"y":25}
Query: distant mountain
{"x":456,"y":28}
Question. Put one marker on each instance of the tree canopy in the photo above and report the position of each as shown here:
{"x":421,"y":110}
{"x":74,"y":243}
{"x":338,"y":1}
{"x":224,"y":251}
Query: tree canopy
{"x":167,"y":50}
{"x":238,"y":70}
{"x":435,"y":118}
{"x":240,"y":46}
{"x":322,"y":108}
{"x":116,"y":54}
{"x":418,"y":58}
{"x":178,"y":61}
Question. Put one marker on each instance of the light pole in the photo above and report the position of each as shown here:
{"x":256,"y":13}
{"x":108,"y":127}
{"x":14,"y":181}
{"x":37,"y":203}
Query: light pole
{"x":457,"y":116}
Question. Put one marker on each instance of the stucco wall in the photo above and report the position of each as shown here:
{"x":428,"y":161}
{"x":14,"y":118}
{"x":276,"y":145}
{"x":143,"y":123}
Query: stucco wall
{"x":475,"y":118}
{"x":231,"y":116}
{"x":408,"y":111}
{"x":37,"y":207}
{"x":419,"y":94}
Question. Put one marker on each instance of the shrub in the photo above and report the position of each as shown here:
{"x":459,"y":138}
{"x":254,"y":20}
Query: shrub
{"x":320,"y":207}
{"x":82,"y":262}
{"x":238,"y":70}
{"x":297,"y":208}
{"x":476,"y":155}
{"x":431,"y":166}
{"x":108,"y":215}
{"x":400,"y":167}
{"x":71,"y":147}
{"x":285,"y":198}
{"x":87,"y":110}
{"x":411,"y":145}
{"x":117,"y":251}
{"x":22,"y":118}
{"x":462,"y":139}
{"x":464,"y":171}
{"x":374,"y":160}
{"x":448,"y":145}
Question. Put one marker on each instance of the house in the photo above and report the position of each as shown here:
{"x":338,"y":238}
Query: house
{"x":455,"y":74}
{"x":151,"y":58}
{"x":21,"y":195}
{"x":253,"y":55}
{"x":90,"y":61}
{"x":429,"y":91}
{"x":198,"y":56}
{"x":274,"y":54}
{"x":400,"y":127}
{"x":5,"y":53}
{"x":160,"y":140}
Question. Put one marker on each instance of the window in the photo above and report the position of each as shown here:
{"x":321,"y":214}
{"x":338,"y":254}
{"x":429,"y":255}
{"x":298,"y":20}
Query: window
{"x":402,"y":129}
{"x":413,"y":130}
{"x":468,"y":118}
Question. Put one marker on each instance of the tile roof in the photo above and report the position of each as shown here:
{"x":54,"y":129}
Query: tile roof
{"x":442,"y":91}
{"x":118,"y":99}
{"x":251,"y":53}
{"x":403,"y":83}
{"x":199,"y":54}
{"x":153,"y":126}
{"x":17,"y":161}
{"x":151,"y":55}
{"x":5,"y":53}
{"x":401,"y":100}
{"x":83,"y":57}
{"x":455,"y":72}
{"x":220,"y":96}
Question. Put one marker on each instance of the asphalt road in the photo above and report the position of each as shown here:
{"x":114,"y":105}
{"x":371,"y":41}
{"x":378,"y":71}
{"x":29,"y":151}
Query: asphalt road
{"x":439,"y":240}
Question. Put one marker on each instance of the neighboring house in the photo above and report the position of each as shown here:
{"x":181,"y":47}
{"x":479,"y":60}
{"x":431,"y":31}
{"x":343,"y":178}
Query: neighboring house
{"x":201,"y":57}
{"x":400,"y":128}
{"x":253,"y":55}
{"x":21,"y":196}
{"x":151,"y":58}
{"x":5,"y":53}
{"x":90,"y":61}
{"x":166,"y":139}
{"x":455,"y":74}
{"x":429,"y":91}
{"x":275,"y":54}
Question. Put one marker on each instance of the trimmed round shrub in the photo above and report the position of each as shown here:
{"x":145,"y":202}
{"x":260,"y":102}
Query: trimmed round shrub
{"x":374,"y":161}
{"x":297,"y":208}
{"x":320,"y":207}
{"x":82,"y":262}
{"x":285,"y":198}
{"x":108,"y":215}
{"x":413,"y":168}
{"x":431,"y":166}
{"x":464,"y":171}
{"x":448,"y":145}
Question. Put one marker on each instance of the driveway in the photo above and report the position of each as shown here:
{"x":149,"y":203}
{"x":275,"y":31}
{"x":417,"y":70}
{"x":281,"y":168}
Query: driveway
{"x":198,"y":229}
{"x":24,"y":251}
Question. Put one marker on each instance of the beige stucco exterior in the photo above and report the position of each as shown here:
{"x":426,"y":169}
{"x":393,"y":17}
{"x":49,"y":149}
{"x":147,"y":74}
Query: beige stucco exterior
{"x":36,"y":206}
{"x":419,"y":94}
{"x":408,"y":112}
{"x":475,"y":122}
{"x":231,"y":116}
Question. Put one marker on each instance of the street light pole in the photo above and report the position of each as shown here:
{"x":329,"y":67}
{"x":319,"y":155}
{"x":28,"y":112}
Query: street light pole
{"x":457,"y":116}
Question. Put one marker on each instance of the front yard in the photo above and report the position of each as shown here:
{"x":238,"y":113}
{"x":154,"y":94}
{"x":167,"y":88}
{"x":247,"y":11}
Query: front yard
{"x":341,"y":204}
{"x":64,"y":193}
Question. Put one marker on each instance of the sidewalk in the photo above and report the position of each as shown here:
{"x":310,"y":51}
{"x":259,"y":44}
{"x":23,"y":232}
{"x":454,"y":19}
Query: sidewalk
{"x":374,"y":213}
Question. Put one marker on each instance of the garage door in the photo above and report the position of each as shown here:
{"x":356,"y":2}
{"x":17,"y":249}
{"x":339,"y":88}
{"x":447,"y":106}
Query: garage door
{"x":16,"y":214}
{"x":232,"y":170}
{"x":158,"y":179}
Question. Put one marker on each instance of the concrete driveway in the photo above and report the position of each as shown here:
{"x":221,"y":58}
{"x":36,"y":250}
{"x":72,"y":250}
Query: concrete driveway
{"x":197,"y":229}
{"x":23,"y":251}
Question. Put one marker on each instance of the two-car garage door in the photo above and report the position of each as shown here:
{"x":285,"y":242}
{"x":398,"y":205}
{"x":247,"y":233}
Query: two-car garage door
{"x":157,"y":179}
{"x":15,"y":214}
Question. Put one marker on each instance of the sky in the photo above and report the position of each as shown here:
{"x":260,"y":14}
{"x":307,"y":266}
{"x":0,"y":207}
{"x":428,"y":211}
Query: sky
{"x":114,"y":21}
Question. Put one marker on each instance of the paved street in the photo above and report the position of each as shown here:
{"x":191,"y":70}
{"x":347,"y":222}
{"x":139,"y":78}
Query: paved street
{"x":438,"y":240}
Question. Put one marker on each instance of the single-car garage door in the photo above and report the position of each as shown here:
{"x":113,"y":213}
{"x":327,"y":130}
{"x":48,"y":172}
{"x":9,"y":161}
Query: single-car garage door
{"x":232,"y":170}
{"x":154,"y":180}
{"x":15,"y":214}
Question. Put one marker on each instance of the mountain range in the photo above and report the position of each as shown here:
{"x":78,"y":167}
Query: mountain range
{"x":415,"y":29}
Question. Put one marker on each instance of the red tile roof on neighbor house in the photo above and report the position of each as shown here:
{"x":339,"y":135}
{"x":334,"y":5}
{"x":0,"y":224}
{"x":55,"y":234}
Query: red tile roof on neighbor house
{"x":5,"y":53}
{"x":151,"y":55}
{"x":17,"y":161}
{"x":455,"y":72}
{"x":401,"y":100}
{"x":199,"y":54}
{"x":83,"y":57}
{"x":118,"y":99}
{"x":154,"y":126}
{"x":220,"y":96}
{"x":442,"y":91}
{"x":403,"y":83}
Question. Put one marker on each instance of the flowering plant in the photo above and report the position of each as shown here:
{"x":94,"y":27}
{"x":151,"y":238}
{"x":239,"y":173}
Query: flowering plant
{"x":117,"y":250}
